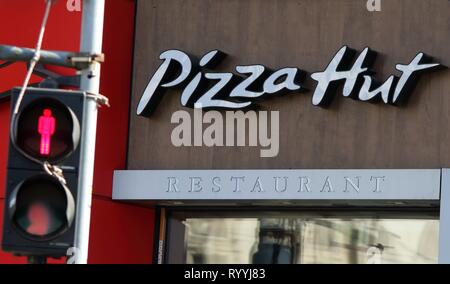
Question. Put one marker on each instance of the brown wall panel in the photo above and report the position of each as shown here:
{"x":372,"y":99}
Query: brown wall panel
{"x":305,"y":34}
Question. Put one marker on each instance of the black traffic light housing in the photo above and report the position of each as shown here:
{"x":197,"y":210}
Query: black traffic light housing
{"x":40,"y":208}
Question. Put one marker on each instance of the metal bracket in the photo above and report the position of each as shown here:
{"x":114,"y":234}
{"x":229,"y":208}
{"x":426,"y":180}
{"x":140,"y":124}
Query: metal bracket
{"x":86,"y":58}
{"x":75,"y":60}
{"x":55,"y":80}
{"x":100,"y":99}
{"x":51,"y":80}
{"x":54,"y":171}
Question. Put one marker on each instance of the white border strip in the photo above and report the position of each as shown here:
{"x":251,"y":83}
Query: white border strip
{"x":444,"y":220}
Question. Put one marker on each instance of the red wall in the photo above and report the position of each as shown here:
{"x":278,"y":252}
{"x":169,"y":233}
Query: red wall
{"x":120,"y":233}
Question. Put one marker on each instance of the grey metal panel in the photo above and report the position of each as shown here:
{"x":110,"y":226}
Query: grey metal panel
{"x":374,"y":184}
{"x":444,"y":222}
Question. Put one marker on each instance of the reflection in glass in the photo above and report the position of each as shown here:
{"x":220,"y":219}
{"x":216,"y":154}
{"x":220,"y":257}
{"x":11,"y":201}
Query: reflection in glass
{"x":315,"y":240}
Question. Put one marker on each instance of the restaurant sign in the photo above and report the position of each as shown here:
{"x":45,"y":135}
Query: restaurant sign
{"x":204,"y":88}
{"x":277,"y":185}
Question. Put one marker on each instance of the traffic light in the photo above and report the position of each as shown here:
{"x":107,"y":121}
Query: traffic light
{"x":40,"y":203}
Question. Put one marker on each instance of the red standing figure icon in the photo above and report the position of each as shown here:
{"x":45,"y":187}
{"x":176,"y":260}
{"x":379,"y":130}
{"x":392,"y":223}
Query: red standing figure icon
{"x":46,"y":128}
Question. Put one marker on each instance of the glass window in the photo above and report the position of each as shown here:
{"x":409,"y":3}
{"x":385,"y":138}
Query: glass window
{"x":298,"y":238}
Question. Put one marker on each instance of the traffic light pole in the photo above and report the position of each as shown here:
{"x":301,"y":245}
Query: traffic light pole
{"x":37,"y":260}
{"x":91,"y":42}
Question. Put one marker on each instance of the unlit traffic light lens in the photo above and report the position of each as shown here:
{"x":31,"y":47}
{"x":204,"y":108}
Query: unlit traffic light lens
{"x":42,"y":208}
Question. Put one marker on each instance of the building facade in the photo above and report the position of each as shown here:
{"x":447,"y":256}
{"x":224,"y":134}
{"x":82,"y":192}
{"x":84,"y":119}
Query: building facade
{"x":270,"y":131}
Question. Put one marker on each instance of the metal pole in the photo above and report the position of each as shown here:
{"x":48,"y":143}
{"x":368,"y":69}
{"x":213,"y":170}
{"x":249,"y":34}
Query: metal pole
{"x":37,"y":259}
{"x":91,"y":42}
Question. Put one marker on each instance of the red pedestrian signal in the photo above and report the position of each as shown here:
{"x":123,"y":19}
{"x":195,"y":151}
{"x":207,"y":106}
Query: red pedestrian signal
{"x":46,"y":130}
{"x":46,"y":127}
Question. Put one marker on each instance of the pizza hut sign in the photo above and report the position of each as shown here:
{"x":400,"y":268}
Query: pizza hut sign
{"x":204,"y":88}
